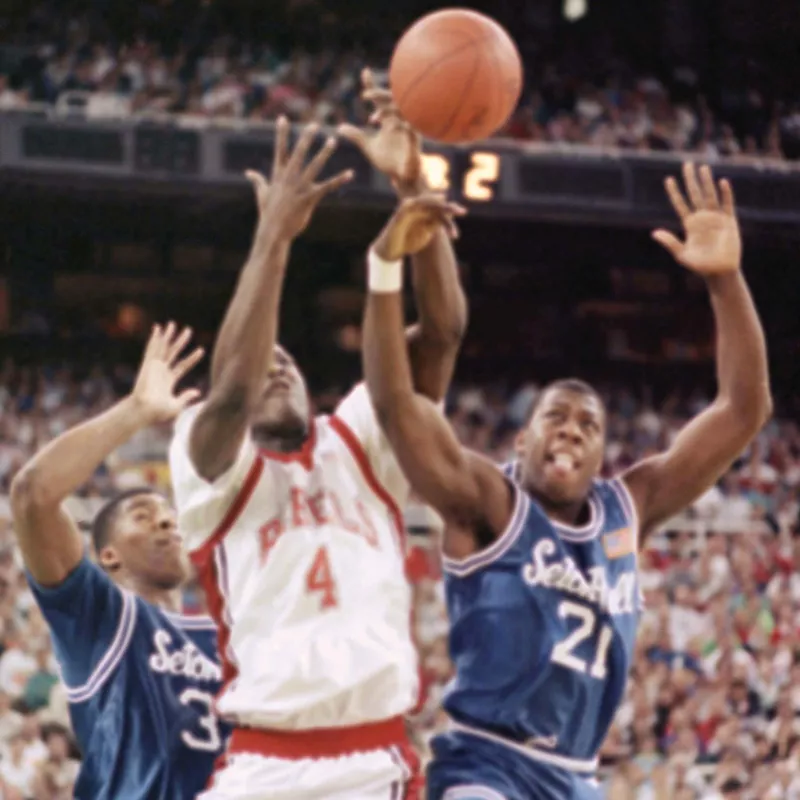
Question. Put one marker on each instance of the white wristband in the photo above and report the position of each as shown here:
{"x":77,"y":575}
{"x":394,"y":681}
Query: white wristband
{"x":384,"y":277}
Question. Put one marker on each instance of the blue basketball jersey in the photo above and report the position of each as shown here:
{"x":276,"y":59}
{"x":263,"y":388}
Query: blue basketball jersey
{"x":140,"y":684}
{"x":543,"y":624}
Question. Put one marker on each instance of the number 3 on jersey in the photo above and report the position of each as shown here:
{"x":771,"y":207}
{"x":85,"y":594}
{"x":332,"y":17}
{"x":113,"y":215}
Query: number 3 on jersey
{"x":563,"y":652}
{"x":320,"y":579}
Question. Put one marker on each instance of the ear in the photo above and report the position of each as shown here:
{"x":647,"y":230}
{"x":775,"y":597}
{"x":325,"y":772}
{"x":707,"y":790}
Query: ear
{"x":109,"y":559}
{"x":519,"y":443}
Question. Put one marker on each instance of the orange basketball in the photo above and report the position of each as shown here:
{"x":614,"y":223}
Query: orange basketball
{"x":456,"y":75}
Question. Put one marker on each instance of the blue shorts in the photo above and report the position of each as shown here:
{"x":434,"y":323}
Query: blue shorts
{"x":466,"y":767}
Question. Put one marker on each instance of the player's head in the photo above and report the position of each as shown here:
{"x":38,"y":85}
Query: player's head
{"x":561,"y":448}
{"x":285,"y":410}
{"x":135,"y":536}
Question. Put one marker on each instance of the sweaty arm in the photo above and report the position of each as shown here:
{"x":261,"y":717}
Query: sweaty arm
{"x":90,"y":618}
{"x":241,"y":356}
{"x":244,"y":349}
{"x":665,"y":484}
{"x":465,"y":488}
{"x":435,"y":339}
{"x":51,"y":544}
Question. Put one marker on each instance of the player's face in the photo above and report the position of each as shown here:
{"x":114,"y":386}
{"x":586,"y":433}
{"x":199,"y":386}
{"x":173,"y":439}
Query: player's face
{"x":284,"y":410}
{"x":563,"y":446}
{"x":146,"y":543}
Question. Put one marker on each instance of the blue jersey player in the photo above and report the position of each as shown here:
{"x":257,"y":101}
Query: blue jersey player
{"x":140,"y":677}
{"x":540,"y":562}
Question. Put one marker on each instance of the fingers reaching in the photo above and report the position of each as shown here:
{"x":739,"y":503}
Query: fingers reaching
{"x":258,"y":181}
{"x":281,"y":146}
{"x":434,"y":202}
{"x":693,"y":186}
{"x":298,"y":156}
{"x":728,"y":201}
{"x":177,"y":345}
{"x":434,"y":209}
{"x":186,"y":365}
{"x":709,"y":189}
{"x":332,"y":184}
{"x":188,"y":397}
{"x":367,"y":80}
{"x":704,"y":193}
{"x":677,"y":199}
{"x":316,"y":165}
{"x":153,"y":347}
{"x":669,"y":242}
{"x":354,"y":135}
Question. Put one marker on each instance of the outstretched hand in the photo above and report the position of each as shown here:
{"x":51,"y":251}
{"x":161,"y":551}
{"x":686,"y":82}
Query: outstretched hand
{"x":288,"y":199}
{"x":161,"y":370}
{"x":413,"y":225}
{"x":712,"y":244}
{"x":395,"y":149}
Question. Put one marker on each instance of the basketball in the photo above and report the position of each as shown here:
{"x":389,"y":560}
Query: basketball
{"x":456,"y":76}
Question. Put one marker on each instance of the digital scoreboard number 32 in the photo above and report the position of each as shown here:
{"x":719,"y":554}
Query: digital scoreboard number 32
{"x":480,"y":178}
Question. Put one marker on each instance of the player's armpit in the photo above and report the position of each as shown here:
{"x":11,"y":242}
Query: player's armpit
{"x":91,"y":623}
{"x":465,"y":488}
{"x":218,"y":432}
{"x":203,"y":504}
{"x":703,"y":451}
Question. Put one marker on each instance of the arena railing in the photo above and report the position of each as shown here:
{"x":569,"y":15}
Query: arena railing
{"x":497,"y":178}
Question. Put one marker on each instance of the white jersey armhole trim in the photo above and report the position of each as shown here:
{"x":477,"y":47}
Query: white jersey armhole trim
{"x":188,"y":622}
{"x":472,"y":791}
{"x":628,"y":506}
{"x":461,"y":567}
{"x":110,"y":660}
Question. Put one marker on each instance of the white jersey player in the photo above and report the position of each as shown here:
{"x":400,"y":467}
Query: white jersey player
{"x":295,"y":525}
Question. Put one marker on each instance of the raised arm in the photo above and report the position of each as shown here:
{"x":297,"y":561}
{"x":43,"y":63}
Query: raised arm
{"x":244,"y":348}
{"x":50,"y":541}
{"x":466,"y":489}
{"x":395,"y":150}
{"x":665,"y":484}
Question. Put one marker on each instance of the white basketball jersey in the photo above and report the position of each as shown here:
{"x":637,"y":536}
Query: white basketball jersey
{"x":302,"y":560}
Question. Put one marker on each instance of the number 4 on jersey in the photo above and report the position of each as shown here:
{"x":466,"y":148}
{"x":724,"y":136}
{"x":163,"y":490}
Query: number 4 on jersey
{"x":320,"y":579}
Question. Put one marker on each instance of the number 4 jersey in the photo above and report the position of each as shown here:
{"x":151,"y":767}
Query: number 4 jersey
{"x":543,"y":624}
{"x":140,"y":684}
{"x":302,"y":559}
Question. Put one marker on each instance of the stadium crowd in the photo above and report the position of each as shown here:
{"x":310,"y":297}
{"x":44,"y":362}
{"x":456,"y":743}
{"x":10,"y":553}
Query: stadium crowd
{"x":713,"y":704}
{"x":76,"y":65}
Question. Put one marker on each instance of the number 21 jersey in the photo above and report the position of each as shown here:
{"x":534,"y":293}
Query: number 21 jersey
{"x":543,"y":626}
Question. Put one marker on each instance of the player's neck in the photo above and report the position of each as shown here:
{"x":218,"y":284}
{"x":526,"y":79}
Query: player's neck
{"x":572,"y":514}
{"x":288,"y":442}
{"x":166,"y":599}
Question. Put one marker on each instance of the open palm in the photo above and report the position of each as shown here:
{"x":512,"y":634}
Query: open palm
{"x":161,"y":370}
{"x":413,"y":225}
{"x":712,"y":243}
{"x":395,"y":148}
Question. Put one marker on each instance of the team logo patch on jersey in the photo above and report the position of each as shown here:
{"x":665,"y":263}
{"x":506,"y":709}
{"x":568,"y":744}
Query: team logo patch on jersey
{"x":619,"y":543}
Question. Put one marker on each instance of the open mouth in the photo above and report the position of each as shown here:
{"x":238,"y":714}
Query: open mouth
{"x":173,"y":540}
{"x":563,"y":462}
{"x":277,"y":386}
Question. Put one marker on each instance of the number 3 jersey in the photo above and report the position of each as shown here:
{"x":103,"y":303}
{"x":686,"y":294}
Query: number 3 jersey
{"x":543,"y":625}
{"x":302,"y":558}
{"x":140,"y":684}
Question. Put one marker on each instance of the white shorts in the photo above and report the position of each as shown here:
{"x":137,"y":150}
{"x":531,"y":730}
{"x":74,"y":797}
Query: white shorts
{"x":376,"y":775}
{"x":372,"y":762}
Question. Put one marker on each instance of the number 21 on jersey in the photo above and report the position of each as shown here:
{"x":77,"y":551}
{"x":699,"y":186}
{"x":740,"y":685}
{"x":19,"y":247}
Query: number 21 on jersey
{"x":564,"y":651}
